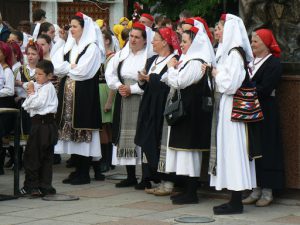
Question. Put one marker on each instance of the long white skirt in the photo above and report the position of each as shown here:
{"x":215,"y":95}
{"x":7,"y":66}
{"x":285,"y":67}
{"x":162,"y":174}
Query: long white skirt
{"x":184,"y":163}
{"x":126,"y":161}
{"x":234,"y":170}
{"x":92,"y":148}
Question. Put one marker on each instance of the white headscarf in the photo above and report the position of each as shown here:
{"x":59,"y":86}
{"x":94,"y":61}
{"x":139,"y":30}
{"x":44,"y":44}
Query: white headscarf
{"x":200,"y":48}
{"x":36,"y":31}
{"x":100,"y":42}
{"x":88,"y":36}
{"x":234,"y":35}
{"x":147,"y":54}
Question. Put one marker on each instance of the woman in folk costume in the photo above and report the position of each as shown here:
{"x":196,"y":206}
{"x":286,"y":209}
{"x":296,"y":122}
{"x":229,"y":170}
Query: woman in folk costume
{"x":17,"y":61}
{"x":266,"y":71}
{"x":232,"y":169}
{"x":6,"y":96}
{"x":78,"y":115}
{"x":122,"y":74}
{"x":185,"y":142}
{"x":150,"y":119}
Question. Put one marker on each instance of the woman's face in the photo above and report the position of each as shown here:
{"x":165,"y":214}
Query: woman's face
{"x":76,"y":29}
{"x":158,"y":43}
{"x":185,"y":43}
{"x":32,"y":56}
{"x":46,"y":47}
{"x":51,"y":32}
{"x":124,"y":23}
{"x":258,"y":46}
{"x":219,"y":32}
{"x":136,"y":40}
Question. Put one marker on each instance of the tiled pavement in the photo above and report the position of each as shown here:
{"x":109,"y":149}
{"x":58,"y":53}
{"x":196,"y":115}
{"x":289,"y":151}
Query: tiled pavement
{"x":101,"y":203}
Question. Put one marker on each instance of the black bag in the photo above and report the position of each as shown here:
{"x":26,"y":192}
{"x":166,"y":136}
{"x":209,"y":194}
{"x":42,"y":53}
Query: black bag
{"x":208,"y":101}
{"x":174,"y":110}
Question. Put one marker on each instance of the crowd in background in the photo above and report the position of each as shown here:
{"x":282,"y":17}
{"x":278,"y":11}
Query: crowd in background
{"x":149,"y":92}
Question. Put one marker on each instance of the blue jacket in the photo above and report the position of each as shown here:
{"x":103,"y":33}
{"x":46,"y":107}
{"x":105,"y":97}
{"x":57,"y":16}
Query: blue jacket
{"x":5,"y":32}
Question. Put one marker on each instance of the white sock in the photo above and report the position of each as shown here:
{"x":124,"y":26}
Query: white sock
{"x":267,"y":193}
{"x":256,"y":193}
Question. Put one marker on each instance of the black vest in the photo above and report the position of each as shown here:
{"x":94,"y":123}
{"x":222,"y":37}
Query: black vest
{"x":86,"y":106}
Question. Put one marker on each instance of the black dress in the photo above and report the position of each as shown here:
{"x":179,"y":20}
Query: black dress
{"x":192,"y":132}
{"x":269,"y":168}
{"x":150,"y":118}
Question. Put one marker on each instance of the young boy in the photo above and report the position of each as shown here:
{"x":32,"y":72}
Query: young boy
{"x":41,"y":103}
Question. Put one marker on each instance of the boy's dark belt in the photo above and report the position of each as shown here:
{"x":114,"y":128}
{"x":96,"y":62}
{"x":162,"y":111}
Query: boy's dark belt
{"x":43,"y":119}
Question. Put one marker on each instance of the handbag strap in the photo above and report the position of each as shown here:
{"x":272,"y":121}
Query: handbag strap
{"x":242,"y":53}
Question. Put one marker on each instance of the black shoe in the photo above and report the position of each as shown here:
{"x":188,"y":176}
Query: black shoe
{"x":48,"y":191}
{"x":99,"y":176}
{"x":142,"y":185}
{"x":9,"y":163}
{"x":127,"y":183}
{"x":227,"y":209}
{"x":185,"y":199}
{"x":80,"y":180}
{"x":56,"y":159}
{"x":70,"y":177}
{"x":26,"y":191}
{"x":173,"y":197}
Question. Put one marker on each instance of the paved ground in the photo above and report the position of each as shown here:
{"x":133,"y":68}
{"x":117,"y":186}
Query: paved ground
{"x":102,"y":204}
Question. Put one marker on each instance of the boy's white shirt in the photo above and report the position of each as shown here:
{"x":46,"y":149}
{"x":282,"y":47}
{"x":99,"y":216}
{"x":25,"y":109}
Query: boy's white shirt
{"x":43,"y":101}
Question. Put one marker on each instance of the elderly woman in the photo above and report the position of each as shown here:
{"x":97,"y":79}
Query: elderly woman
{"x":150,"y":119}
{"x":122,"y":75}
{"x":232,"y":169}
{"x":266,"y":71}
{"x":190,"y":136}
{"x":79,"y":119}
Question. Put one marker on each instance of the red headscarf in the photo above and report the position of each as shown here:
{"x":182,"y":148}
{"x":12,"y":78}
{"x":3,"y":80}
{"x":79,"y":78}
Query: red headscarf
{"x":17,"y":51}
{"x":139,"y":25}
{"x":223,"y":16}
{"x":37,"y":47}
{"x":203,"y":21}
{"x":269,"y":40}
{"x":170,"y":37}
{"x":148,"y":16}
{"x":7,"y":52}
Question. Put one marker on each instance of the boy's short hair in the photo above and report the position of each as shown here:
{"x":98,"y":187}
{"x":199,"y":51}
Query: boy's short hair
{"x":46,"y":66}
{"x":38,"y":14}
{"x":18,"y":34}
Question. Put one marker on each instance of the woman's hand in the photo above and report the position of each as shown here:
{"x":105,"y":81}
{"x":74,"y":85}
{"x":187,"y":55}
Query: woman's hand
{"x":143,"y":76}
{"x":173,"y":63}
{"x":63,"y":34}
{"x":124,"y":90}
{"x":107,"y":106}
{"x":214,"y":72}
{"x":73,"y":66}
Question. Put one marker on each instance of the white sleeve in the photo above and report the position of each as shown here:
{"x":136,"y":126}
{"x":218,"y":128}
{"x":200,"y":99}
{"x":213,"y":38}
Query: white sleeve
{"x":9,"y":85}
{"x":111,"y":75}
{"x":88,"y":64}
{"x":180,"y":79}
{"x":38,"y":100}
{"x":61,"y":67}
{"x":231,"y":74}
{"x":135,"y":89}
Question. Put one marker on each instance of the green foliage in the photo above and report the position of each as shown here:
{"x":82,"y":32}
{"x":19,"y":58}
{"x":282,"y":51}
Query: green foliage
{"x":208,"y":9}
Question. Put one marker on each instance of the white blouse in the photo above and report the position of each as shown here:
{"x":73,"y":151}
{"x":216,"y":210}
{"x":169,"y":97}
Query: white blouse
{"x":131,"y":65}
{"x":7,"y":83}
{"x":87,"y":66}
{"x":180,"y":79}
{"x":43,"y":101}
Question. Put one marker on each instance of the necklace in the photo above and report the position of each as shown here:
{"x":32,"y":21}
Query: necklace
{"x":255,"y":63}
{"x":157,"y":63}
